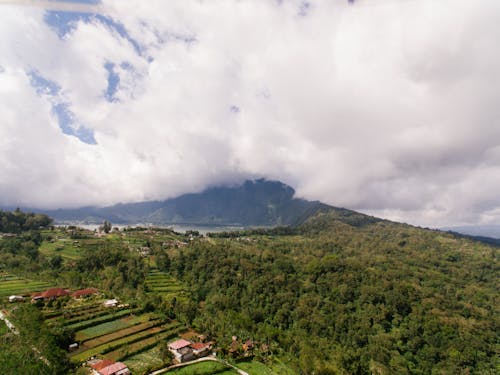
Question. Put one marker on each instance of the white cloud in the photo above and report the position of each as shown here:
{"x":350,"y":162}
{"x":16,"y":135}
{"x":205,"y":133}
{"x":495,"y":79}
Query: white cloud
{"x":387,"y":107}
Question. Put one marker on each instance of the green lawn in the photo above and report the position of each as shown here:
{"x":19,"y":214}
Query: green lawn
{"x":3,"y":328}
{"x":255,"y":368}
{"x":204,"y":368}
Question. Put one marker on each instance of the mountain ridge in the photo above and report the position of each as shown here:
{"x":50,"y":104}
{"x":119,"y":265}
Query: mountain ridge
{"x":253,"y":203}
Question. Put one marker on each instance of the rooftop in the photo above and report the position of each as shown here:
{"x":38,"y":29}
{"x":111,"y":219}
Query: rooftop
{"x":179,"y":344}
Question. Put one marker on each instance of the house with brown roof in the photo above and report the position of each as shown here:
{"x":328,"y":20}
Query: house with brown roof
{"x":82,"y":293}
{"x":50,"y":294}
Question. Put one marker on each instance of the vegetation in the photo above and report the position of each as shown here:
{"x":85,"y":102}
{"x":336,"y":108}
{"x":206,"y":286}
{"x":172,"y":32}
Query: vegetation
{"x":342,"y":293}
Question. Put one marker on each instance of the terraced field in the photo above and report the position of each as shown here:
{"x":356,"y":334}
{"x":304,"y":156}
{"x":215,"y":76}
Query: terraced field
{"x":10,"y":285}
{"x":66,"y":248}
{"x":167,"y":286}
{"x":111,"y":326}
{"x":122,"y":343}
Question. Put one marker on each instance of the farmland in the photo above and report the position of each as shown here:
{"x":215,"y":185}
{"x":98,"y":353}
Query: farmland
{"x":161,"y":283}
{"x":10,"y":285}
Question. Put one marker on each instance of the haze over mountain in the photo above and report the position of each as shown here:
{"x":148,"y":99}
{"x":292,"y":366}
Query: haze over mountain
{"x":254,"y":203}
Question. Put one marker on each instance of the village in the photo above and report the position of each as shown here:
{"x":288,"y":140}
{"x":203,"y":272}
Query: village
{"x":92,"y":352}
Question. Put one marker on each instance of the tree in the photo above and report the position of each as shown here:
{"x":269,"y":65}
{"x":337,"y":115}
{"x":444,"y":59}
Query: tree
{"x":105,"y":227}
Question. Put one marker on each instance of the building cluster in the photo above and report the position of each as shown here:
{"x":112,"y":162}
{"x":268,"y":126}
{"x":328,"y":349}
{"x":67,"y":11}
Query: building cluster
{"x":54,"y":293}
{"x":184,"y":350}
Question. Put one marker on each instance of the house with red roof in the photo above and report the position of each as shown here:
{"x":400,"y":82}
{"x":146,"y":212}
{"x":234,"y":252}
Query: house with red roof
{"x":108,"y":367}
{"x":201,"y":349}
{"x":184,"y":350}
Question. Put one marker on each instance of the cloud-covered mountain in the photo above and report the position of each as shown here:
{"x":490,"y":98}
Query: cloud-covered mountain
{"x":254,"y":203}
{"x":387,"y":107}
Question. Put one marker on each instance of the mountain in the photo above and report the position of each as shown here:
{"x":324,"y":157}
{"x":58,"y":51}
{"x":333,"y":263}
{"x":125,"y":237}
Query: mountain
{"x":254,"y":203}
{"x":492,"y":231}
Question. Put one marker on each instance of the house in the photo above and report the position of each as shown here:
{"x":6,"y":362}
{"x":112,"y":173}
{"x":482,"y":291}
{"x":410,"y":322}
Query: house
{"x":181,"y":350}
{"x":82,"y":293}
{"x":50,"y":294}
{"x":111,"y":303}
{"x":16,"y":298}
{"x":201,"y":349}
{"x":117,"y":368}
{"x":108,"y":367}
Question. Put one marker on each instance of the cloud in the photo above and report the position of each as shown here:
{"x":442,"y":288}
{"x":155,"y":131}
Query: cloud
{"x":387,"y":107}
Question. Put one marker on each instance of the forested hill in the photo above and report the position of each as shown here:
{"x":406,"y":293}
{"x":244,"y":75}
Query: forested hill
{"x":352,"y":298}
{"x":254,"y":203}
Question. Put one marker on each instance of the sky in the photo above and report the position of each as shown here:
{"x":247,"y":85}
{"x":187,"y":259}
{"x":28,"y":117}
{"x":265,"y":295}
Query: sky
{"x":388,"y":107}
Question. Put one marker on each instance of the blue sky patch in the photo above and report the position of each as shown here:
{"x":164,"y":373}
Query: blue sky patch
{"x":113,"y":82}
{"x":65,"y":118}
{"x":68,"y":124}
{"x":42,"y":85}
{"x":65,"y":22}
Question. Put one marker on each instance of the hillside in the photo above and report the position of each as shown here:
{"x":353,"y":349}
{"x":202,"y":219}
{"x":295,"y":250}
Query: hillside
{"x":254,"y":203}
{"x":341,"y":293}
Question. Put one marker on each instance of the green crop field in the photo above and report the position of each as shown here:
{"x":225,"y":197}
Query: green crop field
{"x":143,"y":362}
{"x":167,"y":286}
{"x":10,"y":284}
{"x":66,"y":248}
{"x":101,"y":319}
{"x":130,"y":344}
{"x":108,"y":327}
{"x":121,"y":333}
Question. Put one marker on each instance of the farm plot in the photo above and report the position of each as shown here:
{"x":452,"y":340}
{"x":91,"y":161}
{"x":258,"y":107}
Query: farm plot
{"x":73,"y":312}
{"x":67,"y":249}
{"x":131,"y":349}
{"x":112,"y":345}
{"x":111,"y":326}
{"x":161,"y":283}
{"x":92,"y":320}
{"x":145,"y":361}
{"x":10,"y":284}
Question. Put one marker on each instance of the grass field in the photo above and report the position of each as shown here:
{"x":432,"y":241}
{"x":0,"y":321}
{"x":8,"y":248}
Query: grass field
{"x":3,"y":328}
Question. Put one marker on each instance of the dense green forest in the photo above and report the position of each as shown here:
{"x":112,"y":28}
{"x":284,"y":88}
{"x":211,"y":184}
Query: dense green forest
{"x":341,"y":294}
{"x":380,"y":298}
